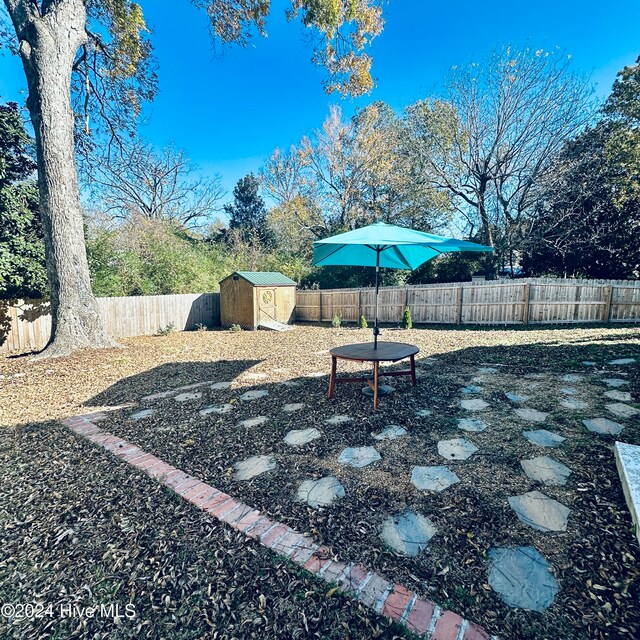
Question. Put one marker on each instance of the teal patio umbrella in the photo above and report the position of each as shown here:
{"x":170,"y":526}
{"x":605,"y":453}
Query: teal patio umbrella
{"x":386,"y":245}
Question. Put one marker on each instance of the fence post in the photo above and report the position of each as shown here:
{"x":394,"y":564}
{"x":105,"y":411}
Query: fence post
{"x":459,"y":291}
{"x":608,"y":294}
{"x":320,"y":309}
{"x":404,"y":301}
{"x":359,"y":305}
{"x":525,"y":297}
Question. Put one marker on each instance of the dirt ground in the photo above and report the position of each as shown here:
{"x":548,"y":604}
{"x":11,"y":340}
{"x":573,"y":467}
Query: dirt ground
{"x":53,"y":484}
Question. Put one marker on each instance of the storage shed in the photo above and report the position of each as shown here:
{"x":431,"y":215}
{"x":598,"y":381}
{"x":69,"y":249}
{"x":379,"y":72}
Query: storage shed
{"x":254,"y":298}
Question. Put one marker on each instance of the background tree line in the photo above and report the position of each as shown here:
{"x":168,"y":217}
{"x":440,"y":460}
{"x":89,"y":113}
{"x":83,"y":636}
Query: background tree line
{"x":514,"y":153}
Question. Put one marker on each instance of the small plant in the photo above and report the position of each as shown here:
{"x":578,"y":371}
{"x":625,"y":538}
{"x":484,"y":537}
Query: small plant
{"x":407,"y":323}
{"x":165,"y":331}
{"x":235,"y":327}
{"x":201,"y":327}
{"x":336,"y":323}
{"x":363,"y":322}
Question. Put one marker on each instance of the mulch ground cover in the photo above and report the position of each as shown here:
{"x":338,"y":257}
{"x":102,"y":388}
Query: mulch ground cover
{"x":595,"y":561}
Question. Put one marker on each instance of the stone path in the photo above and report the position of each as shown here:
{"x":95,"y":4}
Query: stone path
{"x":302,"y":436}
{"x":476,"y":404}
{"x":419,"y":615}
{"x":338,"y":420}
{"x":407,"y":533}
{"x":253,"y":422}
{"x":522,"y":578}
{"x":540,"y":512}
{"x":603,"y":426}
{"x":254,"y":466}
{"x":140,"y":415}
{"x":546,"y":470}
{"x":219,"y":386}
{"x":572,"y":403}
{"x":293,"y":406}
{"x":320,"y":493}
{"x":185,"y":397}
{"x":219,"y":409}
{"x":456,"y":449}
{"x":359,"y":457}
{"x":532,"y":415}
{"x":472,"y":424}
{"x":615,"y":382}
{"x":514,"y":397}
{"x":543,"y":438}
{"x":254,"y":395}
{"x":433,"y":478}
{"x":622,"y":396}
{"x":622,"y":410}
{"x":390,"y":432}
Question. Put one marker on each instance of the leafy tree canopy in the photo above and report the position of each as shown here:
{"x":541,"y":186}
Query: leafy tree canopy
{"x":22,"y":270}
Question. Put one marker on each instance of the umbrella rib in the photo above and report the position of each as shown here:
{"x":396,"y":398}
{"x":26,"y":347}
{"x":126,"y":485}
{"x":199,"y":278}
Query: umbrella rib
{"x":332,"y":252}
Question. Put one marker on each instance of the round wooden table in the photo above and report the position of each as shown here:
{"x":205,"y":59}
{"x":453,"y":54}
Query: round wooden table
{"x":364,"y":352}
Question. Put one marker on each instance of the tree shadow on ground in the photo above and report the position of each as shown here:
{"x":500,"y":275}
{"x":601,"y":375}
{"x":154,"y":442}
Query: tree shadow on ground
{"x":169,"y":376}
{"x":549,"y":355}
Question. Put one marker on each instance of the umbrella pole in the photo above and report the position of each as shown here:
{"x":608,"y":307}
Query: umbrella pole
{"x":376,"y":331}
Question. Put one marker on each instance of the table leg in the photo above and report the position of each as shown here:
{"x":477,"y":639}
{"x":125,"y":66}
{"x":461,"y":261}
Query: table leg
{"x":332,"y":378}
{"x":375,"y":385}
{"x":413,"y":370}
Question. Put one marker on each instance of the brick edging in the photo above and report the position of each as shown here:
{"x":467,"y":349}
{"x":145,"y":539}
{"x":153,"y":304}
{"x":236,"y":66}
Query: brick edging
{"x":421,"y":616}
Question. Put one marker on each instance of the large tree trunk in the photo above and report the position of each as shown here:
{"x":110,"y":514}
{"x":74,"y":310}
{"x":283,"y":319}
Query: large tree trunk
{"x":48,"y":46}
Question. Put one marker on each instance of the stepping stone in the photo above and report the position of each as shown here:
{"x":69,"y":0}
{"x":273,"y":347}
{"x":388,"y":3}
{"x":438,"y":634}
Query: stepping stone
{"x":359,"y":457}
{"x":383,"y":390}
{"x":185,"y":397}
{"x":543,"y":438}
{"x":628,"y":463}
{"x":217,"y":386}
{"x":472,"y":388}
{"x":253,"y":422}
{"x":390,"y":432}
{"x":281,"y":370}
{"x":254,"y":376}
{"x":614,"y":382}
{"x":299,"y":437}
{"x":254,"y":466}
{"x":622,"y":396}
{"x":477,"y":404}
{"x":572,"y":377}
{"x":540,"y":512}
{"x":546,"y":470}
{"x":293,"y":406}
{"x":254,"y":395}
{"x":316,"y":374}
{"x":320,"y":493}
{"x":456,"y":449}
{"x":423,"y":413}
{"x":290,"y":383}
{"x":471,"y":424}
{"x":516,"y":398}
{"x":433,"y":478}
{"x":622,"y":361}
{"x":603,"y":426}
{"x":535,"y":376}
{"x":522,"y":578}
{"x":622,"y":410}
{"x":339,"y":420}
{"x":569,"y":391}
{"x":532,"y":415}
{"x":487,"y":370}
{"x":572,"y":403}
{"x":140,"y":415}
{"x":407,"y":533}
{"x":219,"y":409}
{"x":589,"y":363}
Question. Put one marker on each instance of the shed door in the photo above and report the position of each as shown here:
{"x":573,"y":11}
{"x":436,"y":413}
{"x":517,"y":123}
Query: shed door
{"x":267,"y":305}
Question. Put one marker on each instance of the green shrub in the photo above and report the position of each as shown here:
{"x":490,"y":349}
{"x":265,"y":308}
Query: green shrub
{"x":363,"y":322}
{"x":165,"y":331}
{"x":336,"y":323}
{"x":407,"y":323}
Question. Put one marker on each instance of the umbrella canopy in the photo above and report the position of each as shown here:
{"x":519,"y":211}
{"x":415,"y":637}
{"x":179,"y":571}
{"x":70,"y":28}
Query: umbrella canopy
{"x":386,"y":245}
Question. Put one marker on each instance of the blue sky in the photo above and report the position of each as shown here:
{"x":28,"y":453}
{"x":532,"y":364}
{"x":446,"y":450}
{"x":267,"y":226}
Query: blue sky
{"x":229,"y":111}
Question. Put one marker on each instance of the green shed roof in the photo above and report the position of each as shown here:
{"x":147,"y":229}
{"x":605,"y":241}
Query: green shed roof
{"x":264,"y":278}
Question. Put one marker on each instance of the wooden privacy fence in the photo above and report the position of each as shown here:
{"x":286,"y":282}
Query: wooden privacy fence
{"x":26,"y":325}
{"x":513,"y":302}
